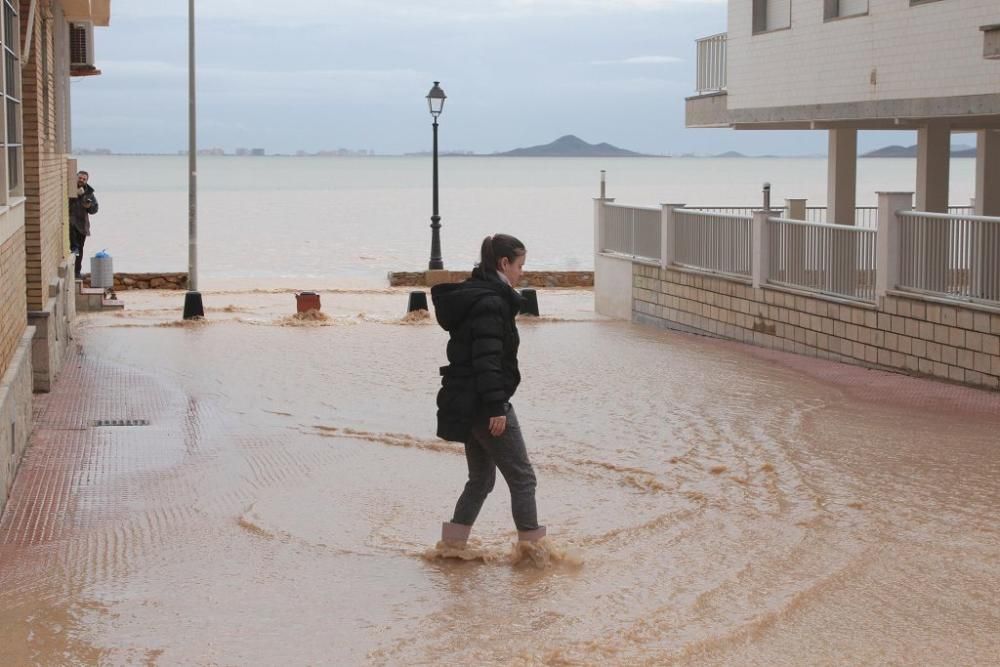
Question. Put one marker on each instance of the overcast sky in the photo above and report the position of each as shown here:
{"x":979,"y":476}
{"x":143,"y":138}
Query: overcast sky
{"x":323,"y":74}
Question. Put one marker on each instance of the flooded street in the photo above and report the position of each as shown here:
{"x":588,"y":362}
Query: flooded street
{"x":731,"y":505}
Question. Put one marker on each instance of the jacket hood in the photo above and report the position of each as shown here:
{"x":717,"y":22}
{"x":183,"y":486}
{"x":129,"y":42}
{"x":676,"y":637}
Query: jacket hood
{"x":454,"y":301}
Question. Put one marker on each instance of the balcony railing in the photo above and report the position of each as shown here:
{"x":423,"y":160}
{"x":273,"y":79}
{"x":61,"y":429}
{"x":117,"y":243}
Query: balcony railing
{"x":714,"y":242}
{"x":711,"y":64}
{"x":953,"y":256}
{"x":838,"y":260}
{"x":634,"y":231}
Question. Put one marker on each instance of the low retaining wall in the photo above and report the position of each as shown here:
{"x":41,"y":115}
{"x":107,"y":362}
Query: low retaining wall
{"x":131,"y":281}
{"x":529,"y":279}
{"x":15,"y":414}
{"x":902,"y":333}
{"x":53,"y":327}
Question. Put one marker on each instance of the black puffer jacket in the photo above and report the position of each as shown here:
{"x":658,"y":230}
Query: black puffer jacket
{"x":482,"y":372}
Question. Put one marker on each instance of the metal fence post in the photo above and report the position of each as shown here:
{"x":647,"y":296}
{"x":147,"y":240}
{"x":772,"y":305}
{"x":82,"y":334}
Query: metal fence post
{"x":668,"y":238}
{"x":760,"y":261}
{"x":600,"y":228}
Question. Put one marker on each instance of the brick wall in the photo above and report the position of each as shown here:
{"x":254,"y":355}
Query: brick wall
{"x":13,"y":315}
{"x":44,"y":168}
{"x":928,"y":50}
{"x":903,"y":333}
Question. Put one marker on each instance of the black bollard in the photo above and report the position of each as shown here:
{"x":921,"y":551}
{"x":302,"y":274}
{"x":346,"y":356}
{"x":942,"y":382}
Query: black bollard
{"x":192,"y":306}
{"x":530,"y":306}
{"x":417,"y":301}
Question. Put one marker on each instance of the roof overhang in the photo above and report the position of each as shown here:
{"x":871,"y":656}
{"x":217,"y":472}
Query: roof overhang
{"x":969,"y":112}
{"x":97,"y":12}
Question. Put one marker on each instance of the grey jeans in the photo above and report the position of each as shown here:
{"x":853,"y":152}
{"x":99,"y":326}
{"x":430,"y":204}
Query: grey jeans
{"x":484,"y":454}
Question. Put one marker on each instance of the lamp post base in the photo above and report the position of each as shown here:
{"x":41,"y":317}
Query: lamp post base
{"x":192,"y":306}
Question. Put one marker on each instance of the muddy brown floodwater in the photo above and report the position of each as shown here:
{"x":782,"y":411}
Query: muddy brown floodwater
{"x":731,"y":506}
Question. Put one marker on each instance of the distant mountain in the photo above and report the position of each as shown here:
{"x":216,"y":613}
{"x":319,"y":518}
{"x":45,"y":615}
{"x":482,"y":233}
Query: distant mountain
{"x":911,"y":151}
{"x":730,"y":154}
{"x":571,"y":146}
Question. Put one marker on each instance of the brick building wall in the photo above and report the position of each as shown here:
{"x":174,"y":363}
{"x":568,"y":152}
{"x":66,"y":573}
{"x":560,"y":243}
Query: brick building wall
{"x":926,"y":50}
{"x":13,"y":314}
{"x":903,"y":333}
{"x":44,"y":167}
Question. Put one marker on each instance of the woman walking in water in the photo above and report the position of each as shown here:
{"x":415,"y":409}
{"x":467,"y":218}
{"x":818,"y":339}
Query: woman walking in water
{"x":477,"y":384}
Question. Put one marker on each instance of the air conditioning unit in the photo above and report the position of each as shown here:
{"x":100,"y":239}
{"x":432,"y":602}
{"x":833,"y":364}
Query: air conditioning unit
{"x":81,"y":44}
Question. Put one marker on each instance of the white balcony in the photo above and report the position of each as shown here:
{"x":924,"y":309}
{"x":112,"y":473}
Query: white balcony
{"x":708,"y":107}
{"x":711,"y":61}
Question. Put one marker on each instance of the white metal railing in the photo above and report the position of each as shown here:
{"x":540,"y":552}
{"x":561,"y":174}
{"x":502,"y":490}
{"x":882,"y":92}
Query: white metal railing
{"x":714,"y":242}
{"x":955,"y":256}
{"x":864,"y":216}
{"x":742,"y":211}
{"x":632,"y":230}
{"x":831,"y":259}
{"x":711,"y":63}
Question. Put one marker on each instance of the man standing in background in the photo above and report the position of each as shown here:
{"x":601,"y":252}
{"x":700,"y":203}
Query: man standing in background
{"x":81,"y":207}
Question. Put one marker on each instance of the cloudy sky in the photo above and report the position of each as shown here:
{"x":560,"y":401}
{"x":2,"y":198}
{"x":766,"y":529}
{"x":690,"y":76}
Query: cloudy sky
{"x":320,"y":74}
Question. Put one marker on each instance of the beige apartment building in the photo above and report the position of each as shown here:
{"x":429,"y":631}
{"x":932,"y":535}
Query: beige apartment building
{"x":841,"y":66}
{"x":910,"y":285}
{"x":44,"y":43}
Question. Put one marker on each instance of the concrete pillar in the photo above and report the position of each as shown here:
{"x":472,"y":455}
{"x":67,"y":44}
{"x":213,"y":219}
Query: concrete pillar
{"x":795,"y":238}
{"x":987,"y":200}
{"x":933,"y":163}
{"x":760,"y":262}
{"x":888,"y":259}
{"x":841,"y":176}
{"x":668,"y":236}
{"x":795,"y":209}
{"x":987,"y":279}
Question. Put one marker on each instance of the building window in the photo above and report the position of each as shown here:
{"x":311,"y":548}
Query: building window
{"x":837,"y":9}
{"x":771,"y":15}
{"x":12,"y":98}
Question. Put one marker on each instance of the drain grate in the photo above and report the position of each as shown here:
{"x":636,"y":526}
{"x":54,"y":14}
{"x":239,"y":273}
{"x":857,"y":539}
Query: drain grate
{"x":120,"y":422}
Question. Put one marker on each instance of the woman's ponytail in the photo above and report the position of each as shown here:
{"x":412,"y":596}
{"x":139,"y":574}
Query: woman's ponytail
{"x":487,"y":258}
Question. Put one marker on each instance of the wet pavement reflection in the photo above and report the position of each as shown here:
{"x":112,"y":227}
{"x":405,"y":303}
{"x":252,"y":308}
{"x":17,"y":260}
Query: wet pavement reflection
{"x":730,"y":505}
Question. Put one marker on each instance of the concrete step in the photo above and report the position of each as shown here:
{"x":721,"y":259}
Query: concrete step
{"x":93,"y":299}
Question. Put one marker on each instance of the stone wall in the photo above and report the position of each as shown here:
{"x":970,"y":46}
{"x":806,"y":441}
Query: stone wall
{"x":15,"y":413}
{"x":903,"y":333}
{"x":133,"y":281}
{"x":530,"y":278}
{"x":130,"y":281}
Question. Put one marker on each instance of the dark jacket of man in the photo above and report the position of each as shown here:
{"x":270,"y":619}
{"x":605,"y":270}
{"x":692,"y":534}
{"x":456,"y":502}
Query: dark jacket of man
{"x":482,"y":373}
{"x":79,"y":216}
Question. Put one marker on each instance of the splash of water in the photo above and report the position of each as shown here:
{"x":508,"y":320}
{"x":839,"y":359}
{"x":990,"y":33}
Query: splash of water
{"x":542,"y":554}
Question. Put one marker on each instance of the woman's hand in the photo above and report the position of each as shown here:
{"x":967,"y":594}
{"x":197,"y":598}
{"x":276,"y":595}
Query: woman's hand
{"x":497,"y":426}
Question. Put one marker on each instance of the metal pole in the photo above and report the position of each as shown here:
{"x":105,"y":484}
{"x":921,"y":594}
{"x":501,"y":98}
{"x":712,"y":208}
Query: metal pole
{"x":604,"y":189}
{"x":192,"y":160}
{"x":192,"y":300}
{"x":436,"y":261}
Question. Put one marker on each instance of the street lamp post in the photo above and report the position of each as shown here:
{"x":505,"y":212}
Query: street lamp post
{"x":435,"y":100}
{"x":193,"y":307}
